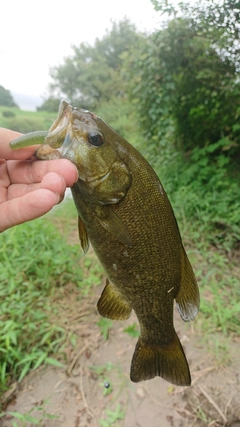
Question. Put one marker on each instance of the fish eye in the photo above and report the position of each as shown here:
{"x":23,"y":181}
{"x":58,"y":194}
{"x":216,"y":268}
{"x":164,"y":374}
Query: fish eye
{"x":95,"y":138}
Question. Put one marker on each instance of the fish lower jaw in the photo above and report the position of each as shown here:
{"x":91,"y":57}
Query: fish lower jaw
{"x":45,"y":152}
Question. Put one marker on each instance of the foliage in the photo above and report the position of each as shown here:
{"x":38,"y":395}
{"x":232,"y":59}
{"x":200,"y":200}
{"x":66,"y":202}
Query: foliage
{"x":204,"y":194}
{"x":35,"y":261}
{"x":181,"y":76}
{"x":50,"y":104}
{"x":6,"y":98}
{"x":187,"y":93}
{"x":112,"y":416}
{"x":132,"y":330}
{"x":121,"y":116}
{"x":28,"y":125}
{"x":105,"y":326}
{"x":93,"y":73}
{"x":29,"y":417}
{"x":218,"y":276}
{"x":216,"y":19}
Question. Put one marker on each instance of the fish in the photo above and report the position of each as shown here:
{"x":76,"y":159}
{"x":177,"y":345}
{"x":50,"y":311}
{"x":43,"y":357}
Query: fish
{"x":124,"y":212}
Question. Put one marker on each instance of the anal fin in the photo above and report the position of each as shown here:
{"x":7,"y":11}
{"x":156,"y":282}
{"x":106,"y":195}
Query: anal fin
{"x":168,"y":362}
{"x":112,"y":305}
{"x":188,"y":298}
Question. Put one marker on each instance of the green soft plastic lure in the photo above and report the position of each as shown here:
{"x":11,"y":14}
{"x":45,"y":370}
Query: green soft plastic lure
{"x":32,"y":138}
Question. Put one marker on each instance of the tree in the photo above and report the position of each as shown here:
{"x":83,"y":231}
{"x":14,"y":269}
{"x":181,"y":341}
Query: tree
{"x":218,"y":20}
{"x":93,"y":73}
{"x":6,"y":98}
{"x":50,"y":104}
{"x":187,"y":88}
{"x":182,"y":80}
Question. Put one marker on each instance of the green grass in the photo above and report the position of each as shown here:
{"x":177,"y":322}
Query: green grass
{"x":112,"y":417}
{"x":218,"y":275}
{"x":23,"y":420}
{"x":26,"y":121}
{"x":35,"y":262}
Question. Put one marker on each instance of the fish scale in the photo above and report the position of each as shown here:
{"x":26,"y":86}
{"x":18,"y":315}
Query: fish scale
{"x":126,"y":215}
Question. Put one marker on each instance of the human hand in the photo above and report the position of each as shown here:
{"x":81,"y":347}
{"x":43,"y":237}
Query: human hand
{"x":29,"y":189}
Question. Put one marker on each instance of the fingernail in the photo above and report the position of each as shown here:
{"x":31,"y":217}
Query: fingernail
{"x":77,"y":177}
{"x":57,"y":199}
{"x":60,"y":198}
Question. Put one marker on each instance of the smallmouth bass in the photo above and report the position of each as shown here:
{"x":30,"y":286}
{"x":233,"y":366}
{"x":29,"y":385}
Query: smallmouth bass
{"x":126,"y":215}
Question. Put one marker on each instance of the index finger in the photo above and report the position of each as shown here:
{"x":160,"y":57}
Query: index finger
{"x":30,"y":172}
{"x":6,"y":136}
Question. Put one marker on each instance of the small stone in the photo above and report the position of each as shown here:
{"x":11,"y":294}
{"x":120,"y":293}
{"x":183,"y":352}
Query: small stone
{"x":140,"y":393}
{"x":106,"y":384}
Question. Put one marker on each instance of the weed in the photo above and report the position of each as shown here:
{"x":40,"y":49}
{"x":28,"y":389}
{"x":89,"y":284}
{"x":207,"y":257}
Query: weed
{"x":101,"y":370}
{"x":107,"y":387}
{"x":35,"y":261}
{"x":219,"y":346}
{"x":201,"y":415}
{"x":112,"y":417}
{"x":105,"y":326}
{"x":23,"y":419}
{"x":114,"y":387}
{"x":65,"y":217}
{"x":132,"y":330}
{"x":219,"y":286}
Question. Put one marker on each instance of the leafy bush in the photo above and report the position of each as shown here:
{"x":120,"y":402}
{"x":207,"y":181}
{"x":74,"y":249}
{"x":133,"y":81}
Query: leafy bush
{"x":204,"y":193}
{"x":181,"y":79}
{"x":187,"y":94}
{"x":51,"y":104}
{"x":8,"y":113}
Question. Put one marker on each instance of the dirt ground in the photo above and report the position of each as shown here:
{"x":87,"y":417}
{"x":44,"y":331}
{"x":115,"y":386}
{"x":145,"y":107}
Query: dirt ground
{"x":76,"y":395}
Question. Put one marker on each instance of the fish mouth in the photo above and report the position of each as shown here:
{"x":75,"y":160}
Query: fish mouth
{"x":56,"y":143}
{"x":62,"y":120}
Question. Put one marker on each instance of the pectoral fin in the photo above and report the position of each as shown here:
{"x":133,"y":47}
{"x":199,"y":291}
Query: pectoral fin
{"x":188,"y":298}
{"x":112,"y":305}
{"x":83,"y":236}
{"x":113,"y":224}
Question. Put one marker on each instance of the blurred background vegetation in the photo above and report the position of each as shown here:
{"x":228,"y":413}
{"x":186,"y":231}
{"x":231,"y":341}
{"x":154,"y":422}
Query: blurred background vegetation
{"x":175,"y":95}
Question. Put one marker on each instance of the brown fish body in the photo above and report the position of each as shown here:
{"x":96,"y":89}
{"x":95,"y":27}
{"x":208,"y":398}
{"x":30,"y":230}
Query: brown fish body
{"x":125,"y":213}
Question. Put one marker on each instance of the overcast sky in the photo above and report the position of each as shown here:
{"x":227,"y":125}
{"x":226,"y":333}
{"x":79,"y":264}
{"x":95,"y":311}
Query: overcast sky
{"x":37,"y":34}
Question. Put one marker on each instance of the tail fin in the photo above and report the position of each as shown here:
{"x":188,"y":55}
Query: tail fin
{"x":168,"y":362}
